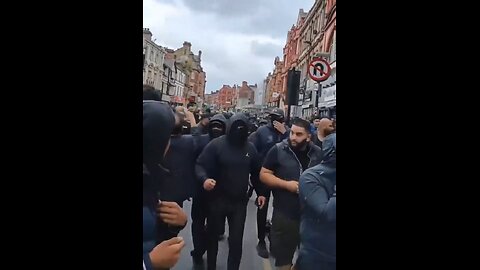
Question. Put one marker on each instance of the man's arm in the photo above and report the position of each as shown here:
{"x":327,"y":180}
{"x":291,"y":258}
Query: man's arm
{"x":286,"y":135}
{"x":255,"y":167}
{"x":267,"y":173}
{"x":206,"y":162}
{"x":315,"y":196}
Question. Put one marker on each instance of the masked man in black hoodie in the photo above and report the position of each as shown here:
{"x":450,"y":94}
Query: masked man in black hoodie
{"x":158,"y":122}
{"x":224,"y":168}
{"x":216,"y":128}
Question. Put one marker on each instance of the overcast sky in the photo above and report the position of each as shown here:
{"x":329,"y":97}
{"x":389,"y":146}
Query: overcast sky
{"x":238,"y":39}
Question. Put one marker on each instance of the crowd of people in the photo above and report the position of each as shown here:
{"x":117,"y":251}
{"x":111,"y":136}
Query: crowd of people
{"x":219,"y":161}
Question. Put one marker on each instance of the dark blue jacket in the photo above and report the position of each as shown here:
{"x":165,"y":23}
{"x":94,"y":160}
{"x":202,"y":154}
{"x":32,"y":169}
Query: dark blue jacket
{"x":265,"y":138}
{"x":178,"y":184}
{"x":199,"y":130}
{"x":158,"y":123}
{"x":317,"y":192}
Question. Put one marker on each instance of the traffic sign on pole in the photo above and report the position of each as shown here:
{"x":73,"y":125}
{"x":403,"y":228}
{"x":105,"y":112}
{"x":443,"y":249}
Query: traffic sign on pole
{"x":319,"y":70}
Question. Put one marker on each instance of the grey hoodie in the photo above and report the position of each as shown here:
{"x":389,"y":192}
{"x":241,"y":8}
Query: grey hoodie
{"x":317,"y":192}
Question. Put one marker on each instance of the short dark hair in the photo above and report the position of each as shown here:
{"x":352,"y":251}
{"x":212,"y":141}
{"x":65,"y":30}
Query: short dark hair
{"x":320,"y":117}
{"x":299,"y":122}
{"x":149,"y":93}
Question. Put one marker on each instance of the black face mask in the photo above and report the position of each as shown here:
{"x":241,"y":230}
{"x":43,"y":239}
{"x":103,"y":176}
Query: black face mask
{"x":216,"y":129}
{"x":216,"y":132}
{"x":239,"y":134}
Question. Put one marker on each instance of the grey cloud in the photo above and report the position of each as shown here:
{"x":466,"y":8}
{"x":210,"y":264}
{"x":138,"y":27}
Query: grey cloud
{"x":268,"y":50}
{"x":272,"y":17}
{"x":213,"y":22}
{"x":223,"y":7}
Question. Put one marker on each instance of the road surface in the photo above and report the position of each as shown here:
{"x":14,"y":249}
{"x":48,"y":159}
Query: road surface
{"x":250,"y":259}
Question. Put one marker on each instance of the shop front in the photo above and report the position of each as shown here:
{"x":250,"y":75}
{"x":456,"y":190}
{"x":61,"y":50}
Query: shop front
{"x":330,"y":101}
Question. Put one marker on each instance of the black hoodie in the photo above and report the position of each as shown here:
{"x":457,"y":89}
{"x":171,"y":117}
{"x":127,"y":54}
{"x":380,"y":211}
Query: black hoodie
{"x":203,"y":140}
{"x":158,"y":122}
{"x":230,"y":164}
{"x":180,"y":184}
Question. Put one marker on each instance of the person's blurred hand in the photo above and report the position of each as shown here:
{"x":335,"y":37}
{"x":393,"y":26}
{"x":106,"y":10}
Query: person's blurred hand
{"x":172,"y":214}
{"x":167,"y":253}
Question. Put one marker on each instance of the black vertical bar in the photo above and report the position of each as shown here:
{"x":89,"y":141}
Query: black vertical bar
{"x":288,"y":114}
{"x":319,"y":94}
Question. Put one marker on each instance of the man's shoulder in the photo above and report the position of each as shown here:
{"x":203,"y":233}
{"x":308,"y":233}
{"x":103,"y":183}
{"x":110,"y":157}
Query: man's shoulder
{"x":316,"y":172}
{"x":263,"y":130}
{"x":251,"y":147}
{"x":282,"y":145}
{"x":219,"y":140}
{"x":315,"y":148}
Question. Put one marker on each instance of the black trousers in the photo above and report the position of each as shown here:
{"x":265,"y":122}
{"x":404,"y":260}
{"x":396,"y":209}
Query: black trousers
{"x":199,"y":230}
{"x":236,"y":213}
{"x":262,"y":220}
{"x":285,"y":238}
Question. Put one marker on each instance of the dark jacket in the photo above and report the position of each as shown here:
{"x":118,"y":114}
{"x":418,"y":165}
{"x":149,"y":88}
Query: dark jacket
{"x":199,"y":130}
{"x":319,"y":207}
{"x":178,"y":184}
{"x":230,"y":166}
{"x":158,"y":123}
{"x":265,"y":137}
{"x":290,"y":169}
{"x":201,"y":142}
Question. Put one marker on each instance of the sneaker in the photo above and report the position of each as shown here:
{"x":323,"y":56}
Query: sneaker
{"x":262,"y":250}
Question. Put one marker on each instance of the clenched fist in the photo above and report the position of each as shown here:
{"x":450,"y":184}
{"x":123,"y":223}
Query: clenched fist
{"x":261,"y":200}
{"x":209,"y":184}
{"x":291,"y":186}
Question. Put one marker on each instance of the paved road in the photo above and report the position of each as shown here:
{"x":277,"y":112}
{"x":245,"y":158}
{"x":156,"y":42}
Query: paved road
{"x":250,"y":259}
